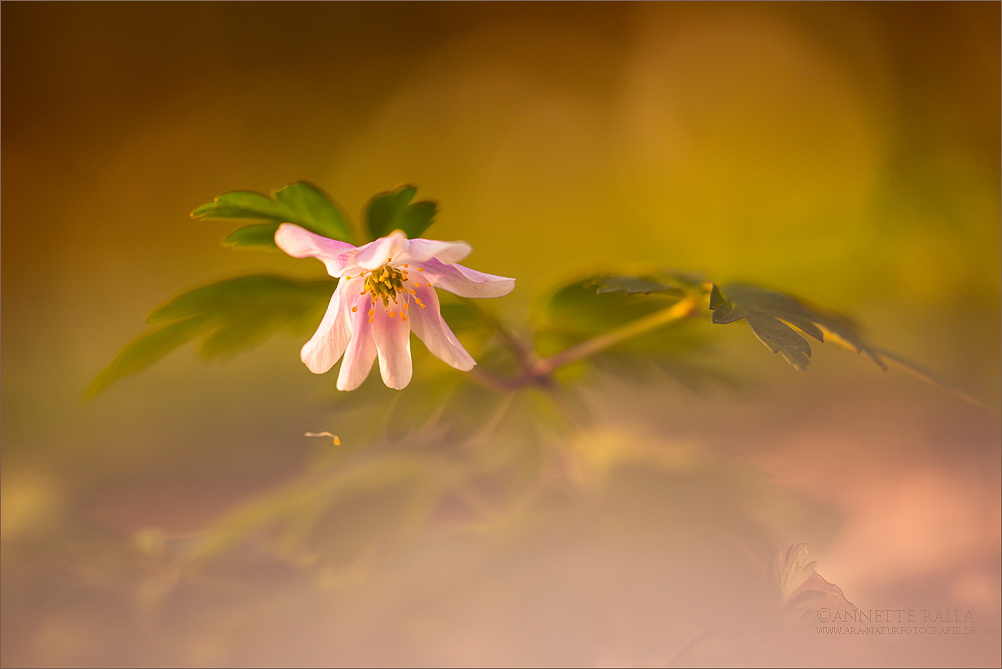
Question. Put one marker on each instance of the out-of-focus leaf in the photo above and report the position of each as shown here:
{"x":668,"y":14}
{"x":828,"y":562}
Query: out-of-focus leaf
{"x":816,"y":593}
{"x":393,"y":210}
{"x":147,"y":349}
{"x":579,"y":309}
{"x":803,"y":590}
{"x":598,"y":305}
{"x":249,"y":298}
{"x":633,"y":285}
{"x":664,"y":281}
{"x":774,"y":316}
{"x":259,"y":234}
{"x":462,"y":317}
{"x":683,"y":359}
{"x":931,"y":377}
{"x":296,"y":510}
{"x":231,"y":316}
{"x":592,"y":306}
{"x":301,"y":203}
{"x":791,"y":569}
{"x":470,"y":409}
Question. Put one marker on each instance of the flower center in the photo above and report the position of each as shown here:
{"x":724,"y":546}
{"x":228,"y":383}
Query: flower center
{"x":383,"y":284}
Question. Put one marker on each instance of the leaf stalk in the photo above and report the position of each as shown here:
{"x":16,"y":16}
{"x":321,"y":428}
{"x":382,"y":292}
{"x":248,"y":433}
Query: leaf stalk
{"x":681,"y":309}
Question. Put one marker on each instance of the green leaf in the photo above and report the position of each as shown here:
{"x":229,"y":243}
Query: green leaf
{"x":146,"y":350}
{"x":633,"y":285}
{"x":590,"y":308}
{"x":301,"y":203}
{"x":578,"y":308}
{"x":231,"y":316}
{"x":259,"y":234}
{"x":393,"y":210}
{"x":773,"y":317}
{"x":592,"y":305}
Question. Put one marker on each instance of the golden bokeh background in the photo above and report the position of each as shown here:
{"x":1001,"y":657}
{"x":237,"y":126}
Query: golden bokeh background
{"x":849,"y":153}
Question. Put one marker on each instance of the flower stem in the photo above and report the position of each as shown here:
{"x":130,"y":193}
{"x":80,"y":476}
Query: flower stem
{"x":523,"y":354}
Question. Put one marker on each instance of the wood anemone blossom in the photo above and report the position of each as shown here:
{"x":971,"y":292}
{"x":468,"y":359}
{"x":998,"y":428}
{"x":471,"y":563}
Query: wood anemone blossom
{"x":386,"y":289}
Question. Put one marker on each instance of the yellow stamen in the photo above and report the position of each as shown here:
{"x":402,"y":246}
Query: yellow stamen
{"x":390,"y":313}
{"x":354,"y":309}
{"x":382,"y":285}
{"x":406,"y":265}
{"x":420,"y":269}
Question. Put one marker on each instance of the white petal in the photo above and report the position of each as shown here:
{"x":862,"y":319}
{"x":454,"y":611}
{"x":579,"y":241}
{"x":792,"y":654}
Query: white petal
{"x":328,"y":343}
{"x":301,"y":243}
{"x":361,"y":351}
{"x":431,"y":329}
{"x":375,"y":254}
{"x":445,"y":252}
{"x":393,"y":342}
{"x":464,"y":281}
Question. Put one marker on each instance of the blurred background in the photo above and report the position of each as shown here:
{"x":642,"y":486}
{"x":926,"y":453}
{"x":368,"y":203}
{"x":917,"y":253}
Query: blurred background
{"x":849,"y":153}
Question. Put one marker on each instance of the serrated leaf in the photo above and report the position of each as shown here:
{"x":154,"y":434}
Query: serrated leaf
{"x":231,"y":316}
{"x":773,"y":317}
{"x":301,"y":203}
{"x":393,"y":210}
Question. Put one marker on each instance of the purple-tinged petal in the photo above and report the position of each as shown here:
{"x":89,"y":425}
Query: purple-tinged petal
{"x":361,"y":351}
{"x":445,"y":252}
{"x":431,"y":329}
{"x":464,"y":281}
{"x":328,"y":343}
{"x":392,"y":337}
{"x":301,"y":243}
{"x":375,"y":254}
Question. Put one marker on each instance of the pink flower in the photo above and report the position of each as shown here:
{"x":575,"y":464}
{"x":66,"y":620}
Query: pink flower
{"x":387,"y":289}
